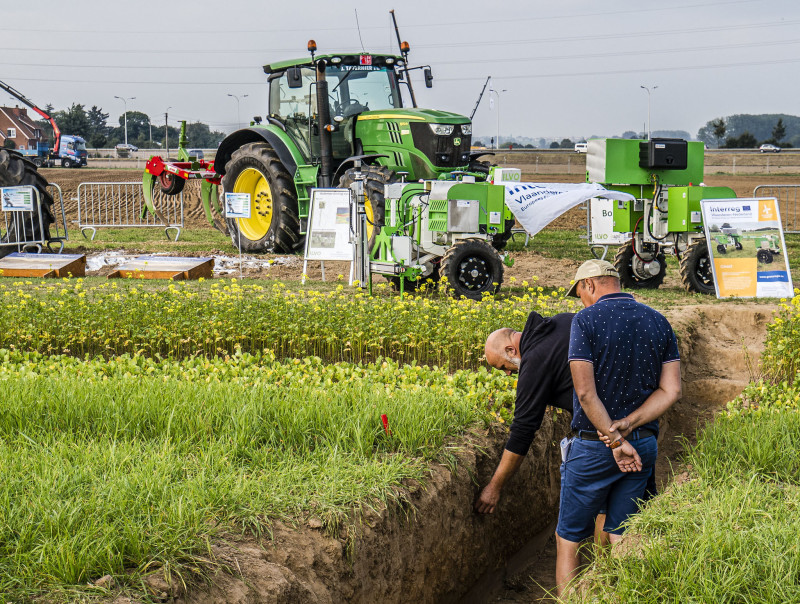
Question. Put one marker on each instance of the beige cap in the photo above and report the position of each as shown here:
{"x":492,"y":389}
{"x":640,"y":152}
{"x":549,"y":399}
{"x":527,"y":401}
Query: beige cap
{"x":592,"y":268}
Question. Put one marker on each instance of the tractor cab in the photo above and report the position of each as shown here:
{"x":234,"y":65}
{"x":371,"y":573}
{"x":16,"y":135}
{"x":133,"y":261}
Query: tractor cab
{"x":356,"y":83}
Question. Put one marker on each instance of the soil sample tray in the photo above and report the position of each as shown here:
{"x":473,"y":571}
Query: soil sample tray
{"x":165,"y":267}
{"x":20,"y":264}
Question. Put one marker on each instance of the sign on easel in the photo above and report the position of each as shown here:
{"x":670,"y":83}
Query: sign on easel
{"x":329,"y":227}
{"x":746,"y":248}
{"x":16,"y":199}
{"x":237,"y":205}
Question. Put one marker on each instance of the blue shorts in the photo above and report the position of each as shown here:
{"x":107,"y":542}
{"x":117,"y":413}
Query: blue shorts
{"x":592,"y":482}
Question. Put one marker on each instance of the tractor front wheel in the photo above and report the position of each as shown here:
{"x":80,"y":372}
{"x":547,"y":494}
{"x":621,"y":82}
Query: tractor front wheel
{"x":274,"y":223}
{"x":472,"y":267}
{"x":764,"y":256}
{"x":638,"y":272}
{"x":696,"y":273}
{"x":375,"y":177}
{"x":17,"y":171}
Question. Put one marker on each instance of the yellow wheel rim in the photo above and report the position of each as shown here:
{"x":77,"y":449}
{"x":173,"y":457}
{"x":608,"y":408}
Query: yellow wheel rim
{"x":254,"y":182}
{"x":370,"y":217}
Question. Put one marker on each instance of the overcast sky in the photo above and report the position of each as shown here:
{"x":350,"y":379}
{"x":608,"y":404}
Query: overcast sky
{"x":571,"y":68}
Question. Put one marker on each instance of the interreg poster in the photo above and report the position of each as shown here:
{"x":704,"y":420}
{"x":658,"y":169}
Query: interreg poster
{"x":746,"y":248}
{"x":328,"y":236}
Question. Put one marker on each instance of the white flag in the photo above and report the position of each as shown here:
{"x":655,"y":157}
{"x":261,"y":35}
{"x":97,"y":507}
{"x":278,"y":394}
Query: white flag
{"x":537,"y":204}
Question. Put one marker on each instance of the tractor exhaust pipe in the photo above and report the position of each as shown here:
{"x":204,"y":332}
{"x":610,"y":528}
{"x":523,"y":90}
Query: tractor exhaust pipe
{"x":325,"y":127}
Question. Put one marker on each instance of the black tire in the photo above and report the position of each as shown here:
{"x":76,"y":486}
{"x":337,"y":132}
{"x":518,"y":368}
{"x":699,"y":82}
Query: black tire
{"x":472,"y":267}
{"x":38,"y":162}
{"x":281,"y":233}
{"x":737,"y":245}
{"x":17,"y":171}
{"x":66,"y":163}
{"x":696,"y":273}
{"x":631,"y":269}
{"x":764,"y":256}
{"x":169,"y":183}
{"x":375,"y":179}
{"x":722,"y":249}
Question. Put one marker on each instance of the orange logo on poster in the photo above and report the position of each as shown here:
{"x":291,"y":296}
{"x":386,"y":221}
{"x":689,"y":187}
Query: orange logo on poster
{"x":766,"y":210}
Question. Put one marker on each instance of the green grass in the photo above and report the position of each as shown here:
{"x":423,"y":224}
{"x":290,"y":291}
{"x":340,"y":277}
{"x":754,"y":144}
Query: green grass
{"x":111,"y":474}
{"x":727,"y":535}
{"x":152,"y":240}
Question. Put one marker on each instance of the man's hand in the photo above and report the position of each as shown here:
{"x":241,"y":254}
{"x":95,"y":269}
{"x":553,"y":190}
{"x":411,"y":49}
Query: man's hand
{"x":488,"y":499}
{"x":627,"y":458}
{"x":623,"y":426}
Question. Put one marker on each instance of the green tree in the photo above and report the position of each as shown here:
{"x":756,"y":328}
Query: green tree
{"x":74,"y":121}
{"x":98,"y":136}
{"x":779,"y":131}
{"x":9,"y":144}
{"x":554,"y":145}
{"x":566,"y":144}
{"x":719,"y":128}
{"x":744,"y":141}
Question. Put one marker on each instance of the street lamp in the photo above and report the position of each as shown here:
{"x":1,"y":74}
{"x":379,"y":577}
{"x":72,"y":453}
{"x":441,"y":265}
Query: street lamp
{"x":648,"y":109}
{"x":166,"y":129}
{"x":238,"y":120}
{"x":497,"y":94}
{"x":125,"y":101}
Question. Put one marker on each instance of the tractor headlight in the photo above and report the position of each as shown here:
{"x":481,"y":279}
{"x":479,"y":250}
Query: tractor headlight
{"x":466,"y":129}
{"x":442,"y":129}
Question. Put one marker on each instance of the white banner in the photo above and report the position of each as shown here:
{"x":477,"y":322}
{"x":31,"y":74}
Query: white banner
{"x":537,"y":204}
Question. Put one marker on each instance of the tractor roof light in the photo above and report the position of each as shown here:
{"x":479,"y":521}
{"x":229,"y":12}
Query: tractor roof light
{"x":404,"y":47}
{"x":312,"y":46}
{"x":442,"y":129}
{"x":336,"y":60}
{"x":389,"y":61}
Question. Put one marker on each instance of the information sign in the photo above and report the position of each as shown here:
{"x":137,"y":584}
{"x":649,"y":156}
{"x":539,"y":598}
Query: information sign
{"x":328,"y":236}
{"x":237,"y":205}
{"x":16,"y":199}
{"x":747,"y":248}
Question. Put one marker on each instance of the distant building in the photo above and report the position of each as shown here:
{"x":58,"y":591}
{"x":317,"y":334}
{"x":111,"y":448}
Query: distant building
{"x":16,"y":126}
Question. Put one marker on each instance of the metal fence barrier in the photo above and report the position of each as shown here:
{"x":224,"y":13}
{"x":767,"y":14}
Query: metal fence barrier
{"x":787,"y":196}
{"x":122,"y":205}
{"x":22,"y":229}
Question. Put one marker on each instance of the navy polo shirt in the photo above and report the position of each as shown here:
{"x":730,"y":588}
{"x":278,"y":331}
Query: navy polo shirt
{"x":627,"y":342}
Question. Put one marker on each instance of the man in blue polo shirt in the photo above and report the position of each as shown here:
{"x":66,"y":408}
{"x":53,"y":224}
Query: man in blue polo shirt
{"x":626,"y":372}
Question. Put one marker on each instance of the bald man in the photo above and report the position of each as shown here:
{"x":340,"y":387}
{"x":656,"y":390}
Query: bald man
{"x":539,"y":354}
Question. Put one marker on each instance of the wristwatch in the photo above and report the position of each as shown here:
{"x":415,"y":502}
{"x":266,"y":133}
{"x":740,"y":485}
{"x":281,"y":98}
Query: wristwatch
{"x":616,"y":443}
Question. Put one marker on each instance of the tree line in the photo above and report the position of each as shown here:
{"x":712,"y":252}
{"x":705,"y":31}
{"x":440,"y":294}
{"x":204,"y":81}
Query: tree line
{"x":744,"y":131}
{"x":142,"y":131}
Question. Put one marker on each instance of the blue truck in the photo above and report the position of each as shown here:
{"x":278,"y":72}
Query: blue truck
{"x":68,"y":151}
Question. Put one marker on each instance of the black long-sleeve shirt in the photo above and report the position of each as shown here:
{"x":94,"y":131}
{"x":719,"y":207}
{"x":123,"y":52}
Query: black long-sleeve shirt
{"x":544,"y":376}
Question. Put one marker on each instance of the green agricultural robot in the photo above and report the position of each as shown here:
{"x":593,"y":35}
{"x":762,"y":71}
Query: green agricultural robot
{"x":666,"y":217}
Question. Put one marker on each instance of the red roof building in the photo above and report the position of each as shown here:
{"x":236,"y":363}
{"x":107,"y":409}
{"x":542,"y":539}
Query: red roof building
{"x":15,"y":125}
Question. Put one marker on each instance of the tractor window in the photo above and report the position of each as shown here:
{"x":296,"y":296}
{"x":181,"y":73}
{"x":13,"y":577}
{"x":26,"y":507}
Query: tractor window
{"x":357,"y":88}
{"x":293,"y":103}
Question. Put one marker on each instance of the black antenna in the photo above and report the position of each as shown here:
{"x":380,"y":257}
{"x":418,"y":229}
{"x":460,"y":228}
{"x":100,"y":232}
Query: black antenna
{"x":474,"y":111}
{"x":359,"y":31}
{"x":404,"y":51}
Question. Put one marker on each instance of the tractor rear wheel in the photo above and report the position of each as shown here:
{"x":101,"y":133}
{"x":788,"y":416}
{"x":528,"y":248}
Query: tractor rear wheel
{"x":472,"y":267}
{"x":16,"y":171}
{"x":636,"y":272}
{"x":764,"y":256}
{"x":696,"y":273}
{"x":169,"y":183}
{"x":274,"y":223}
{"x":375,"y":177}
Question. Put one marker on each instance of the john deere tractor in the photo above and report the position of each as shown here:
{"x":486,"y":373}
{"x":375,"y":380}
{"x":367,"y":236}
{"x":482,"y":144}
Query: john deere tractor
{"x":326,"y":113}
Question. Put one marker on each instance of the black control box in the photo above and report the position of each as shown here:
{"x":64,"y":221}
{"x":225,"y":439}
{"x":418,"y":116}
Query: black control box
{"x":663,"y":154}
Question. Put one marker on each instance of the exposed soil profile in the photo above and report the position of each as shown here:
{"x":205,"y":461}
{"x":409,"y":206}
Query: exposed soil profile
{"x":433,"y":547}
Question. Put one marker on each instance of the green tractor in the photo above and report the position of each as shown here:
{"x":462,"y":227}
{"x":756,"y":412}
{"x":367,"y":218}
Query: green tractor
{"x":326,"y":114}
{"x":726,"y":238}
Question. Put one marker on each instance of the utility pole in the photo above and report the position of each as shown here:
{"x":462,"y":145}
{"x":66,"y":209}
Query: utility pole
{"x":497,"y":93}
{"x":166,"y":129}
{"x":649,"y":134}
{"x":238,"y":116}
{"x":480,"y":96}
{"x":125,"y":101}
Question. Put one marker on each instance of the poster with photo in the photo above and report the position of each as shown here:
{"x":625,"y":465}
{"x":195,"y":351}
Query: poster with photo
{"x":747,"y":248}
{"x":328,"y":236}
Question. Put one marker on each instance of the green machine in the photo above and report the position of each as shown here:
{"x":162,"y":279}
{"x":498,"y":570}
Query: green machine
{"x":442,"y":230}
{"x":665,"y":176}
{"x":326,"y":115}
